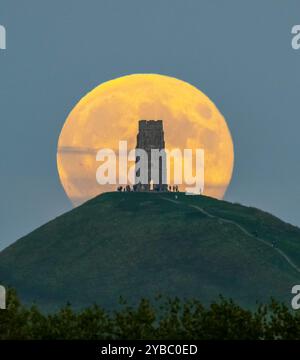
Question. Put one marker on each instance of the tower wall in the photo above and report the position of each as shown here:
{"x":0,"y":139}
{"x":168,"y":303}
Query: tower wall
{"x":151,"y":136}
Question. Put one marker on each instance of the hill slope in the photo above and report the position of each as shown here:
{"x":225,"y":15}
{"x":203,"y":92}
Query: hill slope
{"x":141,"y":244}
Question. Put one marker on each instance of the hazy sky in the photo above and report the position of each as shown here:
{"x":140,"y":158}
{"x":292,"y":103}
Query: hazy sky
{"x":238,"y":52}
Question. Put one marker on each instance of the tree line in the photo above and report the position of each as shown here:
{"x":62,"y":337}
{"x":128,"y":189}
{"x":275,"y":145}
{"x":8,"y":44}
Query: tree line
{"x":163,"y":319}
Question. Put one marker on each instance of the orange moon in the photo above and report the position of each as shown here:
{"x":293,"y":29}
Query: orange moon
{"x":110,"y":113}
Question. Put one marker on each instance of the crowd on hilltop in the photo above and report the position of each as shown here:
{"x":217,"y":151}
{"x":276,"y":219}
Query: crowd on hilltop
{"x":136,"y":187}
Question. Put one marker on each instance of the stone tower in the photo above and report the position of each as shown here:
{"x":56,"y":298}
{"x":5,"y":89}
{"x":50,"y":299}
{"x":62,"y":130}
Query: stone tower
{"x":151,"y":136}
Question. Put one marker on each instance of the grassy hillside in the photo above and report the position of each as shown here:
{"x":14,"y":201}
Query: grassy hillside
{"x":140,"y":244}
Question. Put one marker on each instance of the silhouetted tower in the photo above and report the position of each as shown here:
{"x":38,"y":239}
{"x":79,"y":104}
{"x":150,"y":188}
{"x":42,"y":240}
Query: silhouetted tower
{"x":151,"y":136}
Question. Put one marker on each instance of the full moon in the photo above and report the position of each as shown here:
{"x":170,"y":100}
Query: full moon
{"x":110,"y":113}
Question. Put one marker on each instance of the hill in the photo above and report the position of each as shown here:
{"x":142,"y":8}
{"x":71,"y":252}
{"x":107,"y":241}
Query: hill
{"x":140,"y":244}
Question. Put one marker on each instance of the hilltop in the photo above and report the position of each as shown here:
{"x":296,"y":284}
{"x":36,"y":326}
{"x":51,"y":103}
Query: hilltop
{"x":140,"y":244}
